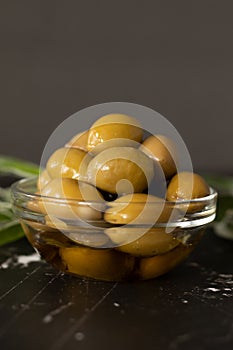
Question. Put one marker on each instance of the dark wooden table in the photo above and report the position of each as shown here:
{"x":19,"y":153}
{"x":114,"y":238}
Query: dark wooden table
{"x":189,"y":308}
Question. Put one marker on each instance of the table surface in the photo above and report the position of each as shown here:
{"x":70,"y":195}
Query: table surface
{"x":188,"y":308}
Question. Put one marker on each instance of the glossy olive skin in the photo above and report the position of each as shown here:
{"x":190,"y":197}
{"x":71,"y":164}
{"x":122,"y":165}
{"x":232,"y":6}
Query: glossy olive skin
{"x":139,"y":208}
{"x":62,"y":188}
{"x":187,"y":186}
{"x":106,"y":265}
{"x":79,"y":141}
{"x":89,"y":239}
{"x":162,"y":150}
{"x":70,"y":189}
{"x":114,"y":126}
{"x":152,"y":242}
{"x":69,"y":163}
{"x":160,"y":264}
{"x":107,"y":170}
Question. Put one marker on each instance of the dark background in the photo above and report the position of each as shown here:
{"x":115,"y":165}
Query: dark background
{"x":176,"y":57}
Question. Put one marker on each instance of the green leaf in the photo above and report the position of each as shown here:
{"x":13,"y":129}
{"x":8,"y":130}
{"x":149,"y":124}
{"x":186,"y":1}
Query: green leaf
{"x":15,"y":166}
{"x":6,"y":215}
{"x":224,"y":228}
{"x":5,"y":194}
{"x":224,"y":203}
{"x":5,"y":206}
{"x":223,"y":184}
{"x":10,"y":231}
{"x":6,"y":210}
{"x":224,"y":187}
{"x":223,"y":225}
{"x":3,"y":217}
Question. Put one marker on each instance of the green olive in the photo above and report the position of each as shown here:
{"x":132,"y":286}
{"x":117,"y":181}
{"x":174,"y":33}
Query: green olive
{"x":107,"y":265}
{"x":139,"y":208}
{"x":120,"y":170}
{"x":187,"y":186}
{"x":89,"y":239}
{"x":71,"y":191}
{"x":117,"y":142}
{"x":161,"y":264}
{"x":162,"y":150}
{"x":69,"y":163}
{"x":79,"y":141}
{"x":136,"y":242}
{"x":114,"y":126}
{"x":43,"y":179}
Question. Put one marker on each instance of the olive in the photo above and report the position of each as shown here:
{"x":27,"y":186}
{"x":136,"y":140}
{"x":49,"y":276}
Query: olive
{"x":90,"y":239}
{"x":154,"y":241}
{"x":43,"y":179}
{"x":69,"y":163}
{"x":119,"y":142}
{"x":79,"y":141}
{"x":139,"y":208}
{"x":83,"y":236}
{"x":107,"y":264}
{"x":160,"y":264}
{"x":76,"y":195}
{"x":162,"y":150}
{"x":114,"y":126}
{"x":187,"y":186}
{"x":158,"y":184}
{"x":120,"y":170}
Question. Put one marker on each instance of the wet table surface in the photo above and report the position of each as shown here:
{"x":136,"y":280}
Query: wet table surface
{"x":189,"y":308}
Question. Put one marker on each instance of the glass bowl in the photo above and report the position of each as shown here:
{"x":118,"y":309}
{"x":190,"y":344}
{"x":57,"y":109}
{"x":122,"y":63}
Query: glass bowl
{"x":109,"y":251}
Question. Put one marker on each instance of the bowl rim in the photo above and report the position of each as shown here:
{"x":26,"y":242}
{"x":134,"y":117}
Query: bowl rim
{"x":16,"y":189}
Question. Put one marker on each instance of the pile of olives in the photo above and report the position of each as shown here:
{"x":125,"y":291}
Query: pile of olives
{"x":113,"y":159}
{"x":114,"y":165}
